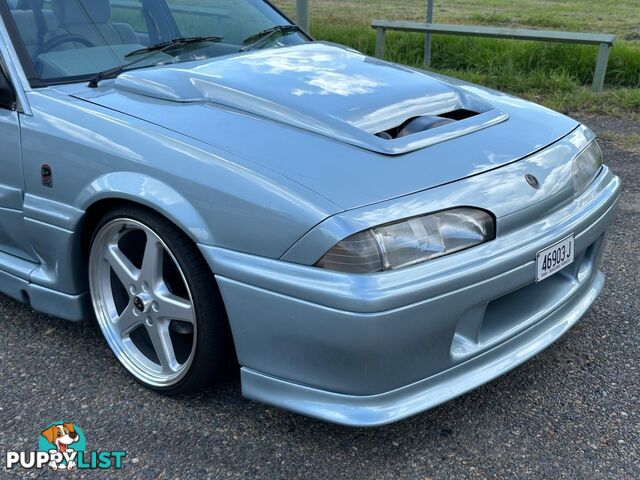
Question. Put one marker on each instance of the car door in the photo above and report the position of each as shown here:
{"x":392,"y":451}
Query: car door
{"x":13,"y":239}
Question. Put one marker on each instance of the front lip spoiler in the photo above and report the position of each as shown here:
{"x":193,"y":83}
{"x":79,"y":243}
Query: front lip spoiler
{"x":388,"y":407}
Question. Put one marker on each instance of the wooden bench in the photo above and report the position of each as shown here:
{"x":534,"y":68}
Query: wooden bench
{"x":604,"y":41}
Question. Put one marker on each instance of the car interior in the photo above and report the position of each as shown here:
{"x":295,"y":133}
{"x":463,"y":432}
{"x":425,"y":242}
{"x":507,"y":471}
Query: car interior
{"x":57,"y":32}
{"x":41,"y":27}
{"x":65,"y":26}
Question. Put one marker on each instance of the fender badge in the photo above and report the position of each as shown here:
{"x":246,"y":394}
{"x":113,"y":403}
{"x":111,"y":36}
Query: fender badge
{"x":46,"y":175}
{"x":532,"y":181}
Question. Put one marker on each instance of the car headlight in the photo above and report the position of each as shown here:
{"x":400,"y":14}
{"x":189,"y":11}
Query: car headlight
{"x":586,"y":167}
{"x":411,"y":241}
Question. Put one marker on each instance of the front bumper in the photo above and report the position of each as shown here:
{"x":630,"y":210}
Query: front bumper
{"x":366,"y":350}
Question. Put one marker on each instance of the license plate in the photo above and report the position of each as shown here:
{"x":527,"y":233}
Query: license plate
{"x":555,"y":258}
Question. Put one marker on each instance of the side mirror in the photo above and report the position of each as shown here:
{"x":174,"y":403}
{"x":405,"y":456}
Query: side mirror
{"x":7,"y":95}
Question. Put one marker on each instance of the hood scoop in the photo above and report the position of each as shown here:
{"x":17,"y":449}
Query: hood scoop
{"x":326,"y":89}
{"x":424,"y":123}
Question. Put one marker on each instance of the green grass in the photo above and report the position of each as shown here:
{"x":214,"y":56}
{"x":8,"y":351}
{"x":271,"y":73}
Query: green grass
{"x":621,"y":17}
{"x":558,"y":75}
{"x":624,"y":141}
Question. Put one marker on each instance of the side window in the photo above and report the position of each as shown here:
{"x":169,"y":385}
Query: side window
{"x":7,"y":97}
{"x":130,"y":13}
{"x":230,"y":19}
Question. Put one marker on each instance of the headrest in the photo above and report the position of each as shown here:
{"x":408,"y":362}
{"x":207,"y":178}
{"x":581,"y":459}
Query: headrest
{"x":28,"y":4}
{"x":82,"y":12}
{"x":26,"y":23}
{"x":13,"y":4}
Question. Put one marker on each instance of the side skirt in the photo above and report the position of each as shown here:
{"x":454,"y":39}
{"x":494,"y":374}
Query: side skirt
{"x":14,"y":274}
{"x":54,"y":283}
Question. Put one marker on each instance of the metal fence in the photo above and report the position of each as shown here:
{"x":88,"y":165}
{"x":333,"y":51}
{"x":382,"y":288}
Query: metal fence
{"x":303,"y":19}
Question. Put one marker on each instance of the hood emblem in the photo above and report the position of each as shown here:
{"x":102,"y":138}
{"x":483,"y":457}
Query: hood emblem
{"x":532,"y":181}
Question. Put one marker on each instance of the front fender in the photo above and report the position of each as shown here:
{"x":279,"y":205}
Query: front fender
{"x":55,"y":231}
{"x":96,"y":154}
{"x":152,"y":193}
{"x":218,"y":199}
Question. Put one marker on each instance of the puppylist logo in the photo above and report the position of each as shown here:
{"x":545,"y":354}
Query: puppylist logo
{"x":62,"y":446}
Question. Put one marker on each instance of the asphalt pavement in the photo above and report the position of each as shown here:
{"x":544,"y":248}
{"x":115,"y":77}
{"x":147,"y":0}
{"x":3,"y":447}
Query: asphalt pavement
{"x":571,"y":412}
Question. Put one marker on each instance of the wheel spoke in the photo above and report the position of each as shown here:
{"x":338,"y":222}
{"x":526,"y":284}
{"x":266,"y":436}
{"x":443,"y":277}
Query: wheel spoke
{"x":161,"y":340}
{"x":126,"y":272}
{"x":128,"y":320}
{"x":152,"y":260}
{"x":172,"y":307}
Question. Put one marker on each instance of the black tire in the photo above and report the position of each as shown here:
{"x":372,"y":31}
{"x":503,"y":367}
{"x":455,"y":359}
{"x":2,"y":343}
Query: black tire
{"x":212,"y":343}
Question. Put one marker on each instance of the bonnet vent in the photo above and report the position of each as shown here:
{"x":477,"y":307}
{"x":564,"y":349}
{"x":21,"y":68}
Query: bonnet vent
{"x":427,"y":122}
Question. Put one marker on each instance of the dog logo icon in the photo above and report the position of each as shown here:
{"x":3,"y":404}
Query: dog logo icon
{"x":63,"y":437}
{"x":63,"y":446}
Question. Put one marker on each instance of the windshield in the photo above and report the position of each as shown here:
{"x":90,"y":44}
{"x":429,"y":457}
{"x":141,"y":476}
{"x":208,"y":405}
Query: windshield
{"x":71,"y":40}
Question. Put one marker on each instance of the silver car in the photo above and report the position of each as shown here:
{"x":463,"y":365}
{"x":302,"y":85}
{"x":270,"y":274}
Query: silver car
{"x":364,"y":239}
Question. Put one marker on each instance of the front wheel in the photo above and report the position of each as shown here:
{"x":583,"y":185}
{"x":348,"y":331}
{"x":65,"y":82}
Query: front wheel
{"x":156,"y":302}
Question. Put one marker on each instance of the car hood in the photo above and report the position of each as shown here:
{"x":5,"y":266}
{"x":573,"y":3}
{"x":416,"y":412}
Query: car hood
{"x":318,"y":107}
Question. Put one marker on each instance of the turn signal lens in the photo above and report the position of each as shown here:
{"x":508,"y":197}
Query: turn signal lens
{"x":586,"y":167}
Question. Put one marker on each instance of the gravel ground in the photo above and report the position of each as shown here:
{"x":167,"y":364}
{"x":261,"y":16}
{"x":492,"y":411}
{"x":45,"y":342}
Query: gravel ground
{"x":571,"y":412}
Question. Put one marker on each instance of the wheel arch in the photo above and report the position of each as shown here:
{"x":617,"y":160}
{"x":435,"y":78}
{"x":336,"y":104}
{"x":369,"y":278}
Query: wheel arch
{"x":177,"y":240}
{"x":122,"y":188}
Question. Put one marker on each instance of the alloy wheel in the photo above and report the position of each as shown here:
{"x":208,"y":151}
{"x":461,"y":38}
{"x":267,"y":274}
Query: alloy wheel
{"x":142,"y":302}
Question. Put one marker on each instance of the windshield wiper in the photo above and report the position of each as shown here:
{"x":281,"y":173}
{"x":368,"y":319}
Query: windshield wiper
{"x":259,"y":38}
{"x":176,"y":42}
{"x":157,"y":48}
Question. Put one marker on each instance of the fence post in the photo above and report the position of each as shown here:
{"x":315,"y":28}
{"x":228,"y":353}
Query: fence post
{"x":302,"y":14}
{"x":601,"y":67}
{"x":427,"y":44}
{"x":380,"y":40}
